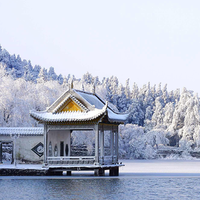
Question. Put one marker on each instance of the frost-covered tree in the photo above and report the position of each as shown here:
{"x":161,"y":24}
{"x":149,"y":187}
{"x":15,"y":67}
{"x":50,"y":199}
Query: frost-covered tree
{"x":196,"y":136}
{"x":168,"y":114}
{"x":148,"y":97}
{"x":157,"y":118}
{"x":148,"y":124}
{"x":60,"y":79}
{"x":121,"y":100}
{"x":51,"y":75}
{"x":28,"y":72}
{"x":131,"y":142}
{"x":136,"y":114}
{"x":135,"y":91}
{"x":180,"y":109}
{"x":42,"y":76}
{"x":127,"y":90}
{"x":87,"y":78}
{"x":112,"y":88}
{"x":192,"y":119}
{"x":165,"y":95}
{"x":157,"y":137}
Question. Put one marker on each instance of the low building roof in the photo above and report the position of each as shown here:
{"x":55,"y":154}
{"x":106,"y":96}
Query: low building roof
{"x":26,"y":131}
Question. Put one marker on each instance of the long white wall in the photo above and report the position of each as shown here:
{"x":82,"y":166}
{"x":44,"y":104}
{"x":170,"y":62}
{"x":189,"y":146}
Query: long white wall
{"x":23,"y":147}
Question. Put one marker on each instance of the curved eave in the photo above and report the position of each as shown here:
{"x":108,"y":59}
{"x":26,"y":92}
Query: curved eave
{"x":117,"y":117}
{"x":121,"y":119}
{"x":68,"y":116}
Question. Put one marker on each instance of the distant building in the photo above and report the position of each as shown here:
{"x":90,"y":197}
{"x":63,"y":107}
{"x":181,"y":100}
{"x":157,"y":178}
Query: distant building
{"x":73,"y":111}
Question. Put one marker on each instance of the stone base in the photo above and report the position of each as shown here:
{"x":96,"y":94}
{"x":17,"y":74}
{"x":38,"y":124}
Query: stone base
{"x":114,"y":171}
{"x":99,"y":172}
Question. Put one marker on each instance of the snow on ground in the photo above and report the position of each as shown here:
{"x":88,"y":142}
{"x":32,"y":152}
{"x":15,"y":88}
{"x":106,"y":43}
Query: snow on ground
{"x":135,"y":168}
{"x":160,"y":166}
{"x":20,"y":166}
{"x":140,"y":166}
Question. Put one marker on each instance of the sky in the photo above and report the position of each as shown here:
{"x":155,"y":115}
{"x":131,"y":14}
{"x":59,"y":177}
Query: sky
{"x":155,"y":41}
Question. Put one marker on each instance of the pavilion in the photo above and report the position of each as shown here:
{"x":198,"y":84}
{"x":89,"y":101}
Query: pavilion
{"x":77,"y":110}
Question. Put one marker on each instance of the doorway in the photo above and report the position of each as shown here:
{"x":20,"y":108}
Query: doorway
{"x":62,"y":148}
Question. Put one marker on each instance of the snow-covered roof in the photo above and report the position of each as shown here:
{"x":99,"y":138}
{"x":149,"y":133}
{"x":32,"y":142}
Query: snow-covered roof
{"x":56,"y":107}
{"x":98,"y":102}
{"x":92,"y":107}
{"x":28,"y":131}
{"x":68,"y":116}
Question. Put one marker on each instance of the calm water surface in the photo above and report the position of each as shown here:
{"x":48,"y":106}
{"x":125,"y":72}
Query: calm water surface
{"x":108,"y":188}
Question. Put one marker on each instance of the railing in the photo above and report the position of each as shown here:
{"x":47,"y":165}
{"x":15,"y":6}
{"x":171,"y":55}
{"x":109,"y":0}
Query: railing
{"x":107,"y":160}
{"x":69,"y":160}
{"x":81,"y":160}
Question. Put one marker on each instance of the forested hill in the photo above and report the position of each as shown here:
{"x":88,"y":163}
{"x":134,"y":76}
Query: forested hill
{"x":19,"y":68}
{"x":162,"y":116}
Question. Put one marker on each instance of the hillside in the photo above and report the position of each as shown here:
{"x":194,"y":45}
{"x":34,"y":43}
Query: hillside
{"x":158,"y":117}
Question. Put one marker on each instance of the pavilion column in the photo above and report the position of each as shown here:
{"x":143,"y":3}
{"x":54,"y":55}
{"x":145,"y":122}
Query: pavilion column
{"x":45,"y":144}
{"x":116,"y":145}
{"x":112,"y":145}
{"x":102,"y":146}
{"x":96,"y":144}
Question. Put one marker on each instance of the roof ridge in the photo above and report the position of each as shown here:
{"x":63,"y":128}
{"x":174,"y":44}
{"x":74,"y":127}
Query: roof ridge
{"x":57,"y":100}
{"x":101,"y":99}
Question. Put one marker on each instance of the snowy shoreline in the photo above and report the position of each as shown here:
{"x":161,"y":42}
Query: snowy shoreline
{"x":161,"y":166}
{"x":132,"y":168}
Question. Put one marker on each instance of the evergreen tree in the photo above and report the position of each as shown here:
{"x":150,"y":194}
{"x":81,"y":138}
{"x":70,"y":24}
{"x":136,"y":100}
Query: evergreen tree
{"x":28,"y":72}
{"x":157,"y":118}
{"x":51,"y":75}
{"x":42,"y":77}
{"x":135,"y":91}
{"x":112,"y":88}
{"x":168,"y":114}
{"x":121,"y":100}
{"x":88,"y":78}
{"x":127,"y":90}
{"x":165,"y":95}
{"x":60,"y":79}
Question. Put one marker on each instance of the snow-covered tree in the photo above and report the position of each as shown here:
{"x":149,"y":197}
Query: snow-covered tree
{"x":168,"y":114}
{"x":135,"y":91}
{"x":42,"y":76}
{"x":51,"y":75}
{"x":157,"y":118}
{"x":121,"y":100}
{"x":112,"y":88}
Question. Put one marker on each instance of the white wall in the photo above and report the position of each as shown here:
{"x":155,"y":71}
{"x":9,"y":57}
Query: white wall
{"x":24,"y":144}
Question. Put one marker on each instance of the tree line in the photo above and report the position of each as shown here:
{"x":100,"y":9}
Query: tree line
{"x":159,"y":116}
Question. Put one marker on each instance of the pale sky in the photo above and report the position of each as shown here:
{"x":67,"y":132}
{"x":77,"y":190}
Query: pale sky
{"x":144,"y":40}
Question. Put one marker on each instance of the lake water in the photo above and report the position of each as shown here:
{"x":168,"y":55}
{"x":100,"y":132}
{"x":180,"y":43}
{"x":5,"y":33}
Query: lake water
{"x":100,"y":188}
